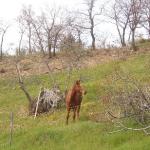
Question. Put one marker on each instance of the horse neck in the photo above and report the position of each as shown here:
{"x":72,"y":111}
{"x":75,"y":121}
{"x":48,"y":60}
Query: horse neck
{"x":76,"y":89}
{"x":73,"y":90}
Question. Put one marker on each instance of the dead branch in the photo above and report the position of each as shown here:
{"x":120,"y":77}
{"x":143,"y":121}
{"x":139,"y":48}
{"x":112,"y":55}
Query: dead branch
{"x":133,"y":100}
{"x":121,"y":125}
{"x":21,"y":83}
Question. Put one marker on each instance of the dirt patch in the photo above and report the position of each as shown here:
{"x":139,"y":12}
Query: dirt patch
{"x":35,"y":64}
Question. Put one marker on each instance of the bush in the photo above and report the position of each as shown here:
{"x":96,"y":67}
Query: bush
{"x":130,"y":98}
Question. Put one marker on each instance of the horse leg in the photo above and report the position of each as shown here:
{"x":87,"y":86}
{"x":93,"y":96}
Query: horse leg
{"x":78,"y":111}
{"x":74,"y":113}
{"x":67,"y":117}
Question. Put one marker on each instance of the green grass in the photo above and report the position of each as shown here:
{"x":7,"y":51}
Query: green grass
{"x":49,"y":132}
{"x":143,"y":43}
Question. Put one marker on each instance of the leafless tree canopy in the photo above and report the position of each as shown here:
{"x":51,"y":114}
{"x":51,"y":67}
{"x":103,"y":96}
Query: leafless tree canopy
{"x":46,"y":31}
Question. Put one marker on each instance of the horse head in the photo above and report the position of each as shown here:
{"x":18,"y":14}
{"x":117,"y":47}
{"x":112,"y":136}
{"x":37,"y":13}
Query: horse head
{"x":78,"y":88}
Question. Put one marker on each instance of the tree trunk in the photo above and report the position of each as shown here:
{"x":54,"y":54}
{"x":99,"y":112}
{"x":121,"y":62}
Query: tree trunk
{"x":1,"y":57}
{"x":93,"y":41}
{"x":1,"y":46}
{"x":55,"y":44}
{"x":49,"y":49}
{"x":19,"y":48}
{"x":123,"y":39}
{"x":93,"y":36}
{"x":30,"y":50}
{"x":92,"y":30}
{"x":39,"y":39}
{"x":54,"y":50}
{"x":133,"y":41}
{"x":149,"y":29}
{"x":121,"y":36}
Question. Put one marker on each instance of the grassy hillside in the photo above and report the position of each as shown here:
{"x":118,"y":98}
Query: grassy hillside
{"x":49,"y":132}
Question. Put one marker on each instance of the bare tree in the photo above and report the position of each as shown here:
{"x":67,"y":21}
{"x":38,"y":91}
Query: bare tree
{"x":127,"y":13}
{"x":146,"y":16}
{"x":26,"y":20}
{"x":89,"y":15}
{"x":49,"y":19}
{"x":136,"y":7}
{"x":21,"y":31}
{"x":20,"y":42}
{"x":73,"y":31}
{"x":68,"y":42}
{"x":119,"y":15}
{"x":77,"y":31}
{"x":90,"y":5}
{"x":56,"y":32}
{"x":38,"y":34}
{"x":3,"y":31}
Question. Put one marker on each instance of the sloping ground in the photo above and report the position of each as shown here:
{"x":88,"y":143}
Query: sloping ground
{"x":35,"y":64}
{"x":49,"y":132}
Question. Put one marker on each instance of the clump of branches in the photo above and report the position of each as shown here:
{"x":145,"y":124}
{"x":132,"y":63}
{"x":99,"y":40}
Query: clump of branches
{"x":47,"y":100}
{"x":130,"y":100}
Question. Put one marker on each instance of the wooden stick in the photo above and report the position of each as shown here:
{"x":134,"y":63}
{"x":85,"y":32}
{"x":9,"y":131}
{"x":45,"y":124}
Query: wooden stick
{"x":37,"y":104}
{"x":11,"y":127}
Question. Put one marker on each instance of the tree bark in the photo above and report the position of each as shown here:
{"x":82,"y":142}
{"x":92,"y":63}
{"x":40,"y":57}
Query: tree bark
{"x":49,"y":49}
{"x":19,"y":48}
{"x":133,"y":41}
{"x":29,"y":38}
{"x":92,"y":32}
{"x":1,"y":45}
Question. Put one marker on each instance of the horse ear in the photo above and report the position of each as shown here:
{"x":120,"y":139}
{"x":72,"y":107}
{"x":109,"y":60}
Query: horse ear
{"x":78,"y":82}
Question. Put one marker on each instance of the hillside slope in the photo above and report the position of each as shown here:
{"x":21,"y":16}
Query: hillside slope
{"x":49,"y":132}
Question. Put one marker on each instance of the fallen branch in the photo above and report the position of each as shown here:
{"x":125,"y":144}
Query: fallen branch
{"x":21,"y":83}
{"x":37,"y":103}
{"x":123,"y":127}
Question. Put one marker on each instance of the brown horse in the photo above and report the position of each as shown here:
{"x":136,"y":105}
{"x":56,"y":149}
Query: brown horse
{"x":74,"y":99}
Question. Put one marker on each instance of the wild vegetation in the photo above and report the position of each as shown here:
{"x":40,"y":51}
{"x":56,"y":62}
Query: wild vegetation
{"x":48,"y":131}
{"x":54,"y":51}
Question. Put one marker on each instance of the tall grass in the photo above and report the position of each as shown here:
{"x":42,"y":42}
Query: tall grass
{"x":49,"y":132}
